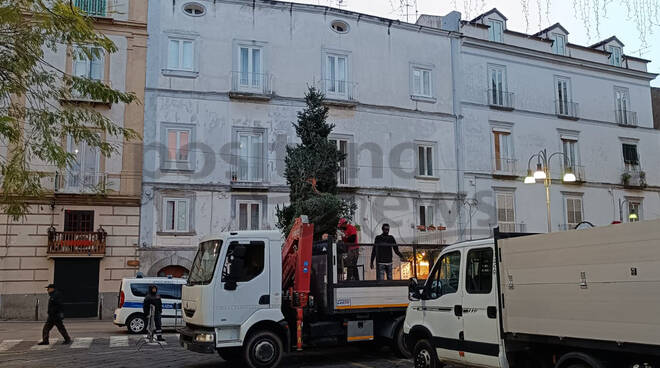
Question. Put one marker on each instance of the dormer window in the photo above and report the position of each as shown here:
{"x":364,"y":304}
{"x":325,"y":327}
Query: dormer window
{"x":495,"y":30}
{"x":615,"y":55}
{"x":558,"y":44}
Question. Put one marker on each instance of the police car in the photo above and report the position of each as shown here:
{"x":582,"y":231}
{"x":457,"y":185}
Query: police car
{"x":131,"y":296}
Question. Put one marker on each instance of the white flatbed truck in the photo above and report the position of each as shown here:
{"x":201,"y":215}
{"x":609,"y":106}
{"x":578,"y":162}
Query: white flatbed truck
{"x":577,"y":299}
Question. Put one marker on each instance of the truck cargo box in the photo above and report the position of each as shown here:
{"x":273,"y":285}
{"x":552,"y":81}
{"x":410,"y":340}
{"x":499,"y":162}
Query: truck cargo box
{"x":600,"y":283}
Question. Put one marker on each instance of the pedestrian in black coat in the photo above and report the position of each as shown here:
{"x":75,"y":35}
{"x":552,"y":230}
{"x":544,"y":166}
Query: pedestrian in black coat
{"x":153,"y":298}
{"x":55,"y":316}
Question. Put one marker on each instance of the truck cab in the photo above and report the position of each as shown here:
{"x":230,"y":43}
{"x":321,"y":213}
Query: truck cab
{"x":453,"y":316}
{"x":234,"y":288}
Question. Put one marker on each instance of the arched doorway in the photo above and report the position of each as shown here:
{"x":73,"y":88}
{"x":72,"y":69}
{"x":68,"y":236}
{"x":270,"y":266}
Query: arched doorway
{"x":174,"y":271}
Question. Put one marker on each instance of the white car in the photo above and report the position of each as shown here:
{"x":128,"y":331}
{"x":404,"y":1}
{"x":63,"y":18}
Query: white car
{"x":131,"y":297}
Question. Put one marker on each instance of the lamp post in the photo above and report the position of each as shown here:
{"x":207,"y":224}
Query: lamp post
{"x":543,"y":173}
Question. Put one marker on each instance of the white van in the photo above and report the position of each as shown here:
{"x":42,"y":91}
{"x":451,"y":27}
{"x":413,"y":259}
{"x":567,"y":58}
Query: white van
{"x":131,"y":296}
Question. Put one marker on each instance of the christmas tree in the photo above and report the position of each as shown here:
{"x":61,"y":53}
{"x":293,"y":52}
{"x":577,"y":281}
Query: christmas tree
{"x":311,"y":172}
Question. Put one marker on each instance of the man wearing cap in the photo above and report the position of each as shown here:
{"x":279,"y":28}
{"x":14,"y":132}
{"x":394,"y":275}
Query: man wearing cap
{"x":349,"y":238}
{"x":55,"y":316}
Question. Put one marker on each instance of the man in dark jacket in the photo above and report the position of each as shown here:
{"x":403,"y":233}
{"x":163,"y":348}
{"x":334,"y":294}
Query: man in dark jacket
{"x":153,"y":298}
{"x":55,"y":316}
{"x":382,"y":253}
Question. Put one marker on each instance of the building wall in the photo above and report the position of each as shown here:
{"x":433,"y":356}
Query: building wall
{"x":655,"y":100}
{"x":25,"y":266}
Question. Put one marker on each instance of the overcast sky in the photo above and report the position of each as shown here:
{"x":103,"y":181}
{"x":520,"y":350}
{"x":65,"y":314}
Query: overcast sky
{"x":615,"y":22}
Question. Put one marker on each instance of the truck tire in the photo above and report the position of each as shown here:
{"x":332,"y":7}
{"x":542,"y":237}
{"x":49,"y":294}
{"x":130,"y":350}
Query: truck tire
{"x":136,"y":324}
{"x":230,"y":354}
{"x":263,"y":349}
{"x":399,"y":344}
{"x":424,"y":355}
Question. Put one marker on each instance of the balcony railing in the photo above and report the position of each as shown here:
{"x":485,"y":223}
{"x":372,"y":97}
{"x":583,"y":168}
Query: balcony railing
{"x":77,"y":243}
{"x":336,"y":89}
{"x":626,"y":118}
{"x":510,"y":227}
{"x":567,"y":109}
{"x":96,"y":8}
{"x":429,"y":235}
{"x":500,"y":99}
{"x":242,"y":176}
{"x":577,"y":170}
{"x":252,"y":83}
{"x":633,"y":177}
{"x":80,"y":182}
{"x":505,"y":166}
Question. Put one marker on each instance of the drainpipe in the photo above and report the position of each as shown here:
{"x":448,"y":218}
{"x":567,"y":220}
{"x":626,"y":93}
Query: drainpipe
{"x":458,"y":126}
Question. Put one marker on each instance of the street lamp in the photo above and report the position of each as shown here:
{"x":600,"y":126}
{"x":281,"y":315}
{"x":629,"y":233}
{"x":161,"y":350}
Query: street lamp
{"x":543,"y":173}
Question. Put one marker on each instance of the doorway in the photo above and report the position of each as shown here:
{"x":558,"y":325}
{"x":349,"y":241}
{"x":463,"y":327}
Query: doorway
{"x":77,"y":280}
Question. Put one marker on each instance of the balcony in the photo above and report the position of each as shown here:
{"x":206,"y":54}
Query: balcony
{"x":243,"y":178}
{"x":577,"y":170}
{"x":81,"y":183}
{"x":499,"y":99}
{"x":340,"y":92}
{"x":567,"y":109}
{"x":633,"y":177}
{"x":510,"y":227}
{"x":347,"y":176}
{"x":429,"y":234}
{"x":626,"y":118}
{"x":506,"y":167}
{"x":78,"y":98}
{"x":72,"y":243}
{"x":251,"y":86}
{"x":95,"y":8}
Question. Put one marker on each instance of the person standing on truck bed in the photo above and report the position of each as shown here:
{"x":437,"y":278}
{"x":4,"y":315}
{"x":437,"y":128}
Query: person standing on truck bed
{"x":349,"y":238}
{"x":382,"y":253}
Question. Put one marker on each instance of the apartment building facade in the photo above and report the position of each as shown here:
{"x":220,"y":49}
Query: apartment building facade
{"x":225,"y":80}
{"x":83,"y":234}
{"x":587,"y":107}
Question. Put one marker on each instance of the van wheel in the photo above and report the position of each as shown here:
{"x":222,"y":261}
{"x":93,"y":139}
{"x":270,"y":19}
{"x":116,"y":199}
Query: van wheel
{"x":263,"y":350}
{"x":229,"y":354}
{"x":424,"y":355}
{"x":399,"y":344}
{"x":136,"y":324}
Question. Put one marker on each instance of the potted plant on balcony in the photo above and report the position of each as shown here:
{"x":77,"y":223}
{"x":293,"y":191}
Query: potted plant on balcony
{"x":625,"y":178}
{"x":431,"y":228}
{"x":421,"y":227}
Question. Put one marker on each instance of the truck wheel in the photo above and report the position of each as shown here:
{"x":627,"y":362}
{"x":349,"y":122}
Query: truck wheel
{"x":229,"y":354}
{"x":136,"y":324}
{"x":263,"y":350}
{"x":399,"y":344}
{"x":424,"y":355}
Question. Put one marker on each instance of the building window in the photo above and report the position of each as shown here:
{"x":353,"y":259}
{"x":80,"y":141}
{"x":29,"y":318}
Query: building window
{"x":180,"y":54}
{"x":83,"y":171}
{"x":506,"y":213}
{"x":342,"y":146}
{"x":88,"y":66}
{"x":569,"y":150}
{"x":615,"y":55}
{"x":96,"y":8}
{"x":562,"y":95}
{"x":421,"y":82}
{"x":630,"y":156}
{"x":177,"y":144}
{"x":504,"y":160}
{"x":622,"y":106}
{"x":559,"y":44}
{"x":194,"y":9}
{"x":634,"y":210}
{"x":251,"y":66}
{"x":574,"y":214}
{"x":176,"y":214}
{"x":495,"y":30}
{"x":249,"y":215}
{"x":336,"y":75}
{"x":426,"y":215}
{"x":497,"y":87}
{"x":250,"y":157}
{"x":425,"y":160}
{"x":78,"y":221}
{"x":339,"y":26}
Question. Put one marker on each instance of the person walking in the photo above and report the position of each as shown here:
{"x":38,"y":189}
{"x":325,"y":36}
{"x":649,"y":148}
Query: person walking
{"x":349,"y":238}
{"x":382,"y":253}
{"x":153,"y":298}
{"x":55,"y":316}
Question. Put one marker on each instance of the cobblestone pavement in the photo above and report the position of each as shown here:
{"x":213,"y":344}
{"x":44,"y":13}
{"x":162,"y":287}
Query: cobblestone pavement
{"x":108,"y":347}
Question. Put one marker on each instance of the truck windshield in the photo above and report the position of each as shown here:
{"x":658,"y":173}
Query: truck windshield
{"x":205,"y":262}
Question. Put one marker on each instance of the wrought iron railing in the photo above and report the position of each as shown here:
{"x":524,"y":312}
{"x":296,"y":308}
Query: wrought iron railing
{"x":505,"y":166}
{"x":567,"y":109}
{"x":500,"y":98}
{"x":336,"y":89}
{"x":97,"y":8}
{"x":77,"y":242}
{"x":510,"y":227}
{"x":633,"y":176}
{"x":577,"y":170}
{"x":429,"y":235}
{"x":258,"y":83}
{"x":626,"y":118}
